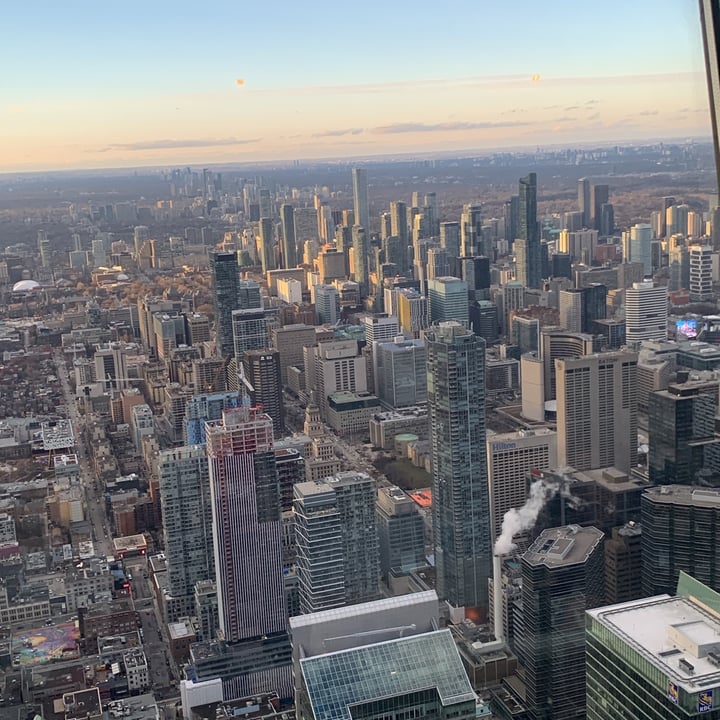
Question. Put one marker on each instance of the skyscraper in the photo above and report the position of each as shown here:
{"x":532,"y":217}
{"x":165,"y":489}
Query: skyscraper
{"x":529,"y":271}
{"x":251,"y":331}
{"x":401,"y":375}
{"x":318,"y":533}
{"x":571,"y":309}
{"x":400,"y":531}
{"x":327,"y":304}
{"x":470,"y":230}
{"x":398,"y":222}
{"x":461,"y":507}
{"x":224,"y":276}
{"x":679,"y":531}
{"x":652,"y":658}
{"x":681,"y":423}
{"x":262,"y":371}
{"x":247,"y":533}
{"x":562,"y":576}
{"x":646,"y":312}
{"x":289,"y":243}
{"x":639,"y":247}
{"x":701,"y":260}
{"x":584,"y":200}
{"x":511,"y":456}
{"x":599,"y":196}
{"x":450,"y":238}
{"x":360,"y":198}
{"x":597,"y":411}
{"x":267,"y":244}
{"x":448,"y":300}
{"x":355,"y":492}
{"x":187,"y":525}
{"x":361,"y":251}
{"x":249,"y":295}
{"x":337,"y":541}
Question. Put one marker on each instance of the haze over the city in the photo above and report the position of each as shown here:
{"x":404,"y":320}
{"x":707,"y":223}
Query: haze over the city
{"x":90,"y":85}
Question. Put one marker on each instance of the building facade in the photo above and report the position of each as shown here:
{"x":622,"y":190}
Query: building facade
{"x":597,"y":411}
{"x":461,"y":505}
{"x":562,"y":576}
{"x":247,"y":533}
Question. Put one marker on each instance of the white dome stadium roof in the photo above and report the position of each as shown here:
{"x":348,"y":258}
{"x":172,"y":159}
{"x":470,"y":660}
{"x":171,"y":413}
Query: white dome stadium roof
{"x":122,"y":276}
{"x":25,"y":286}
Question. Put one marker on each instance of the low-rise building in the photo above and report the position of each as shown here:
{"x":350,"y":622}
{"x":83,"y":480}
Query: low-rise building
{"x":349,"y":413}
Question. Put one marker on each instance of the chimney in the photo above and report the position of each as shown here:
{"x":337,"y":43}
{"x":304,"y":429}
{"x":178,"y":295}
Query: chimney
{"x":497,"y":598}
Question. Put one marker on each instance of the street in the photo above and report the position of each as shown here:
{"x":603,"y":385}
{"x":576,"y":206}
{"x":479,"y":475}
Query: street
{"x":94,"y":506}
{"x":152,"y":631}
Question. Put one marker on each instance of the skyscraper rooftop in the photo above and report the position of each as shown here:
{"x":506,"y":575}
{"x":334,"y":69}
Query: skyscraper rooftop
{"x":563,"y":546}
{"x":337,"y":681}
{"x":678,"y":636}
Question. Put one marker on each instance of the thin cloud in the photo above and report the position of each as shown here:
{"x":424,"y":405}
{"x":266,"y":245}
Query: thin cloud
{"x":338,"y":133}
{"x":171,"y":144}
{"x":648,"y":112}
{"x":469,"y":82}
{"x":415,"y":127}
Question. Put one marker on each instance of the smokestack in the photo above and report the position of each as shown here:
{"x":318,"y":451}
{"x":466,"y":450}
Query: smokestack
{"x":497,"y":598}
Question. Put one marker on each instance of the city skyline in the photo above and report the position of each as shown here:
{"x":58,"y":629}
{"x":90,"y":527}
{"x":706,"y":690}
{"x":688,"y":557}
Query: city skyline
{"x":566,"y":76}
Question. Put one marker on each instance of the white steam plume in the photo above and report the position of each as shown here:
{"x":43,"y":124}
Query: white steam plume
{"x":516,"y":520}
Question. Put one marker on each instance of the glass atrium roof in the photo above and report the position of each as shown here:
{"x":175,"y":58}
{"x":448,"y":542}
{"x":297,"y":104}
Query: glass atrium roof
{"x":396,"y":667}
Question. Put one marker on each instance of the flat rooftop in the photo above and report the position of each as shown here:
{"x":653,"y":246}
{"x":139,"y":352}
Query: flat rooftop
{"x":676,"y":635}
{"x":563,"y":546}
{"x":684,"y":495}
{"x":368,"y":608}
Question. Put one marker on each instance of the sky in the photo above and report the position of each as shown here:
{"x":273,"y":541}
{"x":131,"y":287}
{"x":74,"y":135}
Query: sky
{"x":89,"y":84}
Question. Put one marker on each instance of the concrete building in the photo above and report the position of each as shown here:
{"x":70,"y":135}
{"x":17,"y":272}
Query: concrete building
{"x":511,"y":456}
{"x":412,"y":311}
{"x":245,"y":494}
{"x":262,"y":371}
{"x":701,"y":273}
{"x":335,"y":366}
{"x":597,"y":411}
{"x":400,"y":532}
{"x":349,"y":413}
{"x":318,"y":537}
{"x":289,"y":341}
{"x":337,"y":541}
{"x":656,"y":657}
{"x":571,"y":307}
{"x":320,"y":458}
{"x":646,"y":312}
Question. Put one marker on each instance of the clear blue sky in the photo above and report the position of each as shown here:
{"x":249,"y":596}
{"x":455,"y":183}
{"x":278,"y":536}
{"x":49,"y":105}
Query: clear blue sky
{"x":104,"y":83}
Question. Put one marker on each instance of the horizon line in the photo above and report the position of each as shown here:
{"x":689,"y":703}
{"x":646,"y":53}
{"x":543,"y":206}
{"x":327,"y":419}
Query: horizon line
{"x":349,"y":159}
